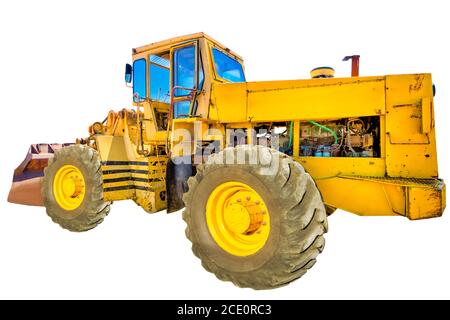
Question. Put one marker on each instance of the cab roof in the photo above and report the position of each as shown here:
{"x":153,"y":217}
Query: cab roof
{"x":181,"y":39}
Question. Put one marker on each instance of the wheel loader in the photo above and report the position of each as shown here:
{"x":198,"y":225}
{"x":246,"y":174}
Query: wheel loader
{"x":257,"y":166}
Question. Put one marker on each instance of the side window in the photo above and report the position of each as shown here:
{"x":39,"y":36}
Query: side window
{"x":184,"y":62}
{"x":139,"y":79}
{"x":181,"y":109}
{"x":159,"y":79}
{"x":227,"y":68}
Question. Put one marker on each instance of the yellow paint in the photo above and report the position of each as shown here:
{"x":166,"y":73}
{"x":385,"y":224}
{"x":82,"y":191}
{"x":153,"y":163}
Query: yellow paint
{"x":387,"y":185}
{"x":69,"y":187}
{"x":370,"y":196}
{"x":299,"y":99}
{"x":426,"y":115}
{"x":321,"y":168}
{"x":162,"y":45}
{"x":426,"y":202}
{"x":143,"y":182}
{"x":404,"y":104}
{"x":410,"y":151}
{"x":237,"y":218}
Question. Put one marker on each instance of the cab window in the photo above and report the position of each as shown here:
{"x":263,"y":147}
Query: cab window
{"x":139,"y":80}
{"x":184,"y":73}
{"x":181,"y":109}
{"x":226,"y":67}
{"x":159,"y":78}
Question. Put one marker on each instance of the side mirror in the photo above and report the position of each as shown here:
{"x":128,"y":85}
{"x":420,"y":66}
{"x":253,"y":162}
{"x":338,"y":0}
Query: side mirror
{"x":128,"y":73}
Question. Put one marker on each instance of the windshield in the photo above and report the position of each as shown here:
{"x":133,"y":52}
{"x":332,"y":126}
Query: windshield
{"x":227,"y":68}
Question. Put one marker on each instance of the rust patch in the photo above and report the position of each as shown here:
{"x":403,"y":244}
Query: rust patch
{"x":418,"y":85}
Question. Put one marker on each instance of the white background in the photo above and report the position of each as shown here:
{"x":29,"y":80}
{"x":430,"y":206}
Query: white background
{"x":62,"y":67}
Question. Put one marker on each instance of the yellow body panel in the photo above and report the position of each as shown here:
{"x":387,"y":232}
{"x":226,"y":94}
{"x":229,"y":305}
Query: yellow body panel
{"x":129,"y":175}
{"x":404,"y":104}
{"x":298,"y":99}
{"x":410,"y":152}
{"x":426,"y":202}
{"x":369,"y":196}
{"x":323,"y":168}
{"x":168,"y":43}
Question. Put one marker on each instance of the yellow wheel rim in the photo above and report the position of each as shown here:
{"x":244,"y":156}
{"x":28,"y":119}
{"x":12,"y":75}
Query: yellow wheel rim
{"x":237,"y":218}
{"x":69,"y":187}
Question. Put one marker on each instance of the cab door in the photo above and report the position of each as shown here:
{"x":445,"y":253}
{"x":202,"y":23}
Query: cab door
{"x":186,"y":79}
{"x":186,"y":82}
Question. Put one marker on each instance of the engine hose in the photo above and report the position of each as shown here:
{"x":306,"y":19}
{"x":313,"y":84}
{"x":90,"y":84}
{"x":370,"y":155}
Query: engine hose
{"x":327,"y":129}
{"x":291,"y":129}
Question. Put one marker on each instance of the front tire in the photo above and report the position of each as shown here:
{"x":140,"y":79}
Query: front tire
{"x":73,"y":189}
{"x":297,"y":217}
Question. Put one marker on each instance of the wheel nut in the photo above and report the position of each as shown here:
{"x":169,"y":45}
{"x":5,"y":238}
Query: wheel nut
{"x":238,"y":200}
{"x":248,"y":198}
{"x":257,"y":202}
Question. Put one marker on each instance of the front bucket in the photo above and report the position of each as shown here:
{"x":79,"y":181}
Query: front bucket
{"x":27,"y":180}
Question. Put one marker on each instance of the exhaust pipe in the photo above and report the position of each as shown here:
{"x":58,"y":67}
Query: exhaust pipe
{"x":355,"y":64}
{"x":27,"y":179}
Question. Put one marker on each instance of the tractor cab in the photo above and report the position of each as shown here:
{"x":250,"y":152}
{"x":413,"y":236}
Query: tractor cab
{"x":174,"y":77}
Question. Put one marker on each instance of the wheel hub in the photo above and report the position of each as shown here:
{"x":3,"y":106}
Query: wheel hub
{"x":237,"y":218}
{"x":69,"y":187}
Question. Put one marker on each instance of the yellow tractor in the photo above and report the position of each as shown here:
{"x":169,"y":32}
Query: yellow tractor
{"x":257,"y":166}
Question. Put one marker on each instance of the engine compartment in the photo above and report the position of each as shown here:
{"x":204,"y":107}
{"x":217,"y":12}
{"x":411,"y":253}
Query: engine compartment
{"x":343,"y":137}
{"x":347,"y":137}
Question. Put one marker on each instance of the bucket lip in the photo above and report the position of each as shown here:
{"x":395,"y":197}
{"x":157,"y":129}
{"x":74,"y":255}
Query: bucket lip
{"x":37,"y":153}
{"x":27,"y":175}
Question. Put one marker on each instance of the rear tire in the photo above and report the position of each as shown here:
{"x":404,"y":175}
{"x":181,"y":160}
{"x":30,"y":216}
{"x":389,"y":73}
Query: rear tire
{"x":298,"y":218}
{"x":92,"y":209}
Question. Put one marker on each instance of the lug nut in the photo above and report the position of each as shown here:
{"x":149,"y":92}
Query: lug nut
{"x":247,"y":198}
{"x":238,"y":200}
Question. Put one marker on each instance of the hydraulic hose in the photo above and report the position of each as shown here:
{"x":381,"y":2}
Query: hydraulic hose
{"x":324,"y":128}
{"x":291,"y":129}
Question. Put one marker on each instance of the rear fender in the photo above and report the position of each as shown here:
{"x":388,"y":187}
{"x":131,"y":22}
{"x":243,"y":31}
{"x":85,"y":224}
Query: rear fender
{"x":179,"y":169}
